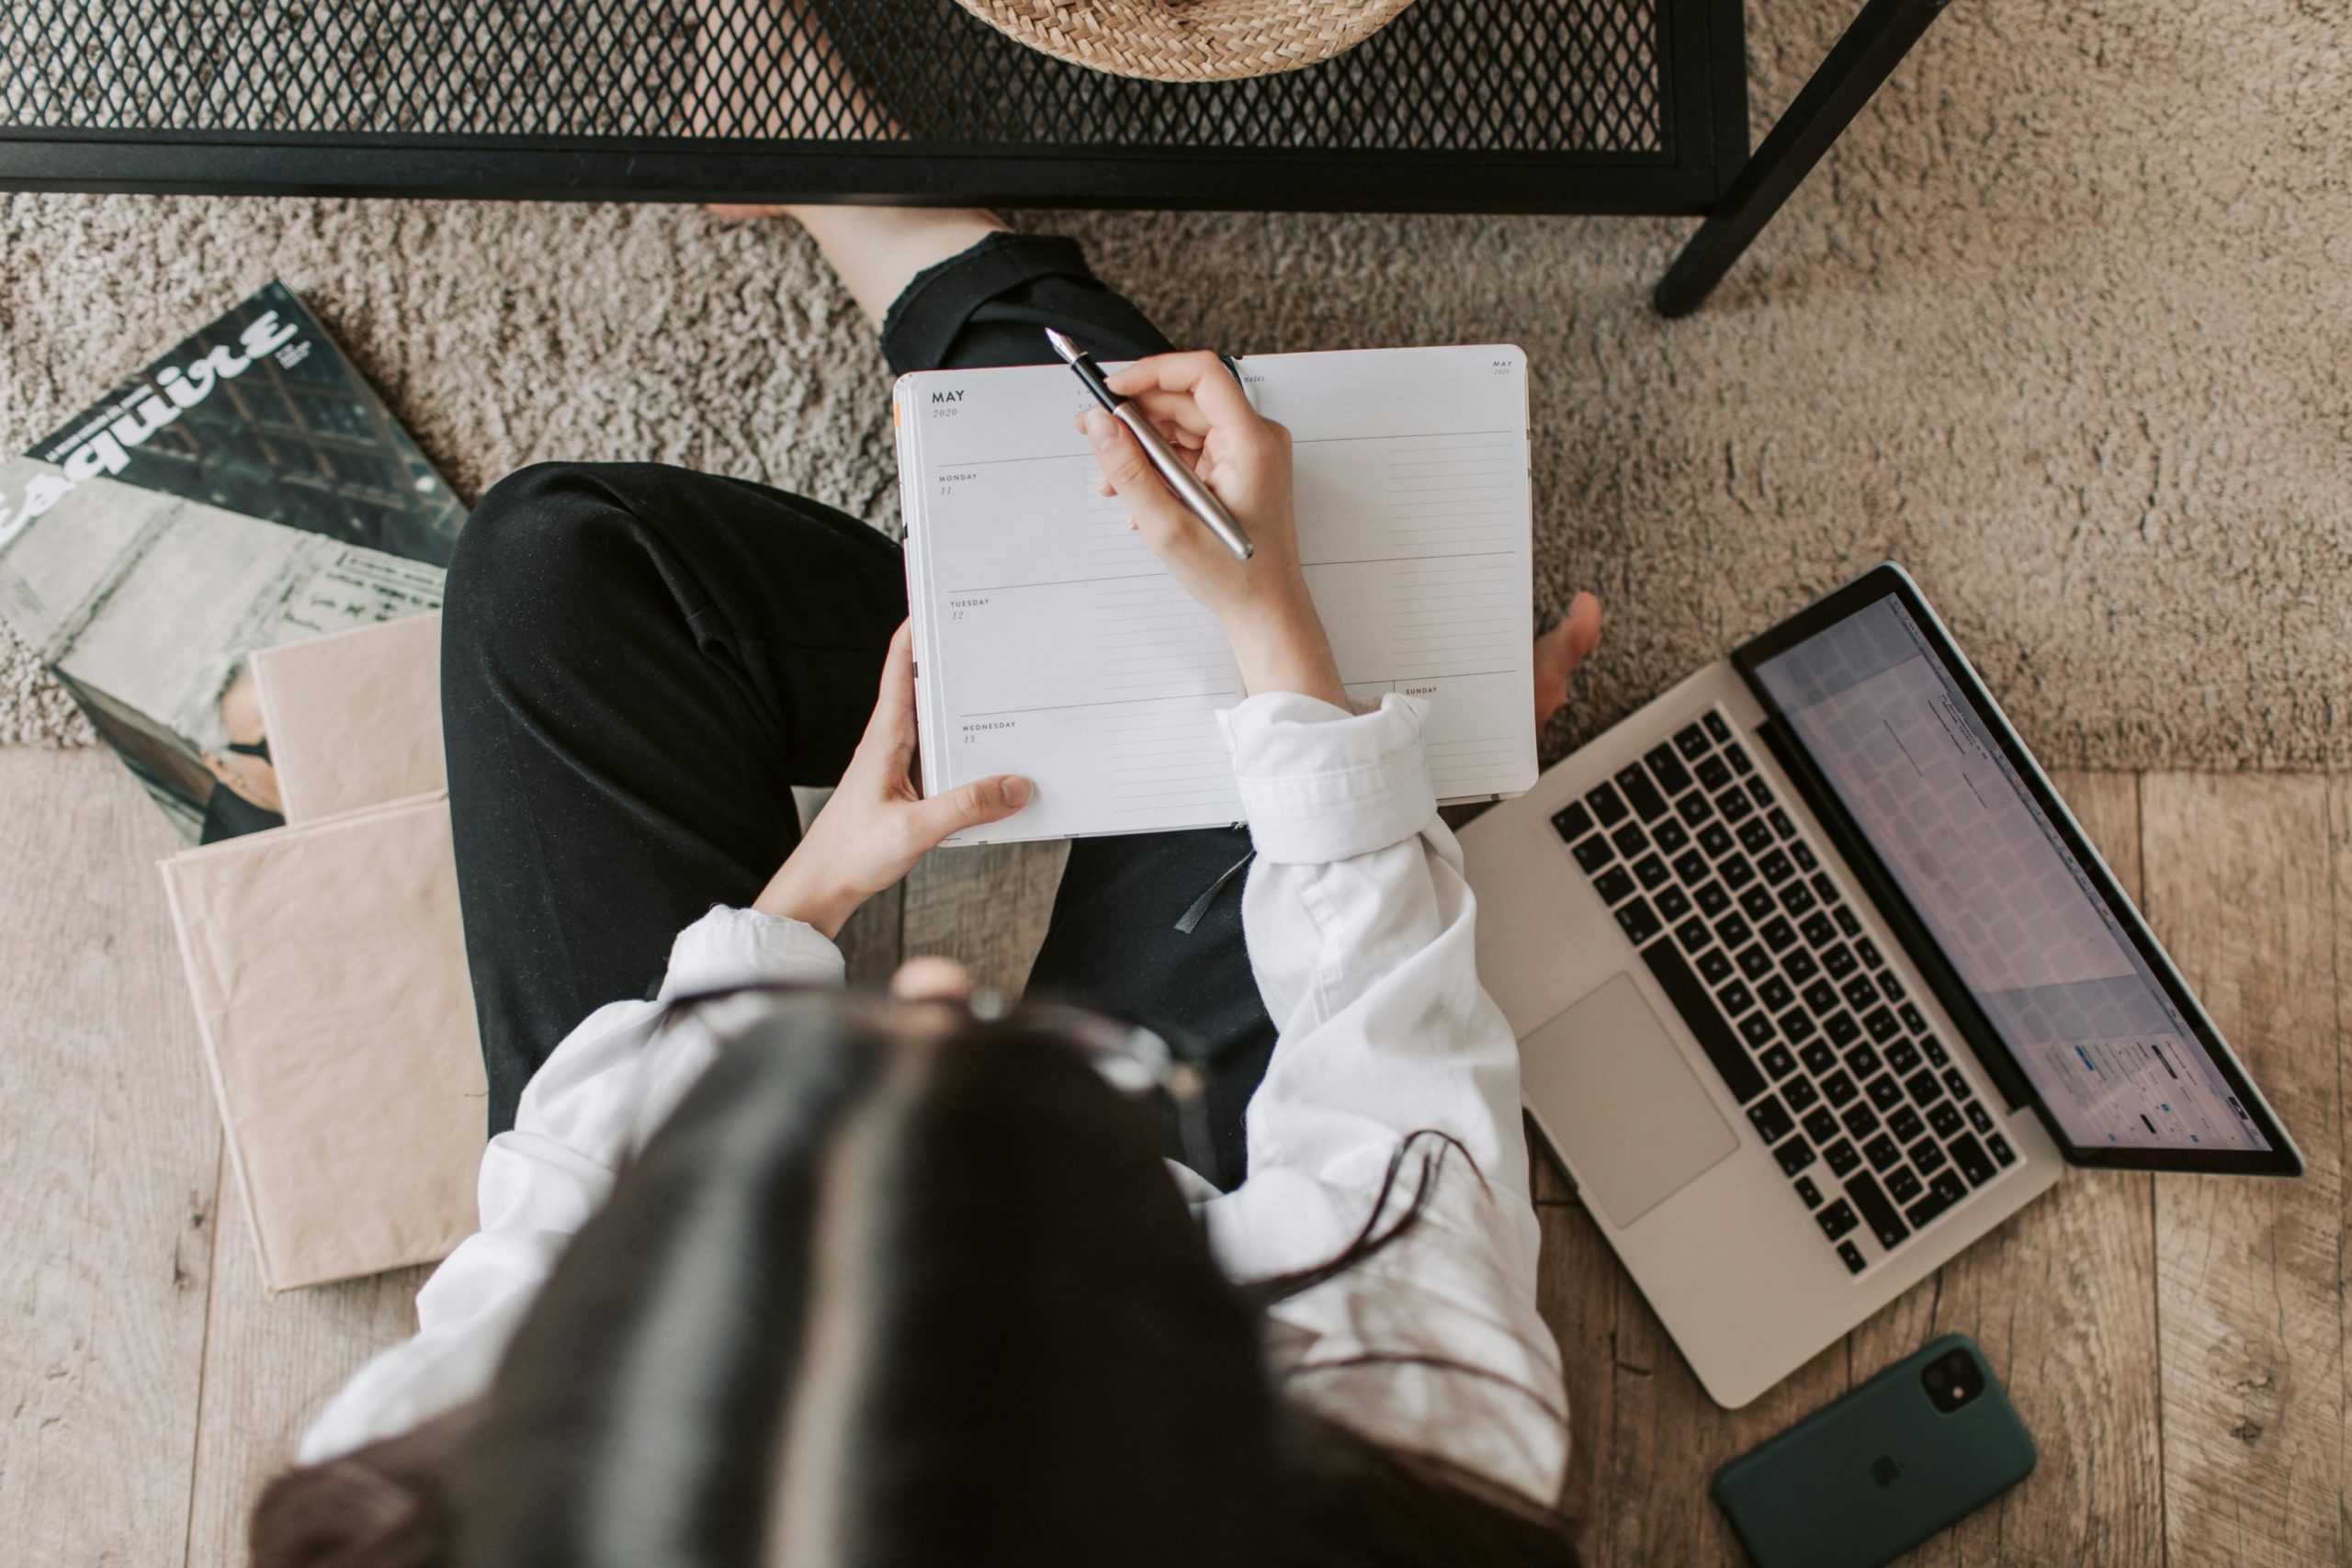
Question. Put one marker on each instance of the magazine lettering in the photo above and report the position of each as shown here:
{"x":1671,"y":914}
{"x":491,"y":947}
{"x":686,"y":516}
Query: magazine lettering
{"x":181,"y":388}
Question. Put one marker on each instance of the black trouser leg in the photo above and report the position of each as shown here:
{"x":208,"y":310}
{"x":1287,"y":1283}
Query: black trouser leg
{"x":637,"y":664}
{"x":1113,"y":943}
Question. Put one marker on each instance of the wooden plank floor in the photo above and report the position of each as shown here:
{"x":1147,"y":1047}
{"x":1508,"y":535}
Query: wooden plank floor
{"x":2177,"y":1345}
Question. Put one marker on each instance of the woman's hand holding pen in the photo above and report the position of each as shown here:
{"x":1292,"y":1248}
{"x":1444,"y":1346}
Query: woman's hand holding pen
{"x":1193,"y":400}
{"x":1262,"y":603}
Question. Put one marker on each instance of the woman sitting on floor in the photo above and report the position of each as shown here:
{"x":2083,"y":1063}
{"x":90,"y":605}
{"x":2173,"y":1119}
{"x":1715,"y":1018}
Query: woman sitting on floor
{"x":907,"y":1280}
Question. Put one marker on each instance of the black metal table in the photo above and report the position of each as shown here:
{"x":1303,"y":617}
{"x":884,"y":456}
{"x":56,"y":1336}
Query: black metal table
{"x":1493,"y":105}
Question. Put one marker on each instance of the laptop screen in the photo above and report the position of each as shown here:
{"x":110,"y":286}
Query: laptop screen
{"x":2023,"y":925}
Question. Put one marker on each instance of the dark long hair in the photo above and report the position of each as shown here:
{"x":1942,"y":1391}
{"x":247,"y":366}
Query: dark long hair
{"x":883,"y":1297}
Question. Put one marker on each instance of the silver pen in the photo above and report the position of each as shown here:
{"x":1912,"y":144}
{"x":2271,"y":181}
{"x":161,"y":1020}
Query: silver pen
{"x":1198,"y":498}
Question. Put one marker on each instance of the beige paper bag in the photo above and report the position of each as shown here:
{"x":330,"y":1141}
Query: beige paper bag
{"x":354,"y":719}
{"x":329,"y":973}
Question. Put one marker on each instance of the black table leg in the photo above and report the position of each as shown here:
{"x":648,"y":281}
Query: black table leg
{"x":1860,"y":61}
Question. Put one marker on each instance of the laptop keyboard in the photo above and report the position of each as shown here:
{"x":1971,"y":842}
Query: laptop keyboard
{"x":1758,"y":947}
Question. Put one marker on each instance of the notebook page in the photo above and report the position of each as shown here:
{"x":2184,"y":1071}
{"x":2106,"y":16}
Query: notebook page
{"x":1050,"y":642}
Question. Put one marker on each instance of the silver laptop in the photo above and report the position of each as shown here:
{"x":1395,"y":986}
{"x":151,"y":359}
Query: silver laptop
{"x":1816,"y":981}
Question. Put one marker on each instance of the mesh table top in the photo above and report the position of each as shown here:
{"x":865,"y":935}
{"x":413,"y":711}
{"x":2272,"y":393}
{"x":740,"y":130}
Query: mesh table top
{"x":1537,"y":87}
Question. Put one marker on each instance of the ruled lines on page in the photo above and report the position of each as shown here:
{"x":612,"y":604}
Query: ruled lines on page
{"x":1052,"y":643}
{"x":1414,"y":515}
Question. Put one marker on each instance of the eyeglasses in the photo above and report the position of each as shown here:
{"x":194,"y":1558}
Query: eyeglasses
{"x":1138,"y":1062}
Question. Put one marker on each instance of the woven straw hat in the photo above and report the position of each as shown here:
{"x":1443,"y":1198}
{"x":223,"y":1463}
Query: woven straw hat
{"x":1189,"y":40}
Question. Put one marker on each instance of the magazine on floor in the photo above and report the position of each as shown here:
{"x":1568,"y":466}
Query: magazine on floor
{"x":247,"y":488}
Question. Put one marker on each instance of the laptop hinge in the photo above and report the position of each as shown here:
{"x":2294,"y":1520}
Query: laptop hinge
{"x":1862,"y":861}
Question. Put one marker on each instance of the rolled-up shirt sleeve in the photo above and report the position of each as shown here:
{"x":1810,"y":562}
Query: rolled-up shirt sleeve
{"x":1360,"y":931}
{"x":1320,"y":783}
{"x":611,"y":1081}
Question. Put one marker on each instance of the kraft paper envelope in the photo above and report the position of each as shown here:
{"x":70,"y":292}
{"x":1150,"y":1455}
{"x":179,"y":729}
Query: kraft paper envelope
{"x":329,"y":973}
{"x":354,"y":719}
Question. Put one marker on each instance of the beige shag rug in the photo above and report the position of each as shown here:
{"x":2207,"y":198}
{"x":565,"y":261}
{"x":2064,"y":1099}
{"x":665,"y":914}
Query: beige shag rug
{"x":2064,"y":325}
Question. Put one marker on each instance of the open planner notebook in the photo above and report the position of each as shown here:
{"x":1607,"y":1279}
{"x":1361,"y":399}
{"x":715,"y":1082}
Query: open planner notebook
{"x":1050,"y":642}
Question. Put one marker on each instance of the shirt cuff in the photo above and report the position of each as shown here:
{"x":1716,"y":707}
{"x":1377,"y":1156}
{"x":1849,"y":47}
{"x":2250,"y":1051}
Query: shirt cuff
{"x":737,"y":947}
{"x":1320,"y":783}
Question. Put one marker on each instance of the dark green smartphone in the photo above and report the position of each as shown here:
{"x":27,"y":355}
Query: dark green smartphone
{"x":1857,"y":1484}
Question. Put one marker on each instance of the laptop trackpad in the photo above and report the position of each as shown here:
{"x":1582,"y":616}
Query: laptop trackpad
{"x":1636,"y":1126}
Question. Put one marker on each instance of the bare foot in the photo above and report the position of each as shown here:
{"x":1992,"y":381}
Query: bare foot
{"x":1560,"y":651}
{"x":737,"y":212}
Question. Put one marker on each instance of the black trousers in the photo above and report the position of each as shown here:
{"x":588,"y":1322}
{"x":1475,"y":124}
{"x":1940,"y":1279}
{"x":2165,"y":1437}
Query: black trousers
{"x":638,"y":662}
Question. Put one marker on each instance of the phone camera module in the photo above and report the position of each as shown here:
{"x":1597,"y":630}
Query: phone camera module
{"x":1952,"y":1381}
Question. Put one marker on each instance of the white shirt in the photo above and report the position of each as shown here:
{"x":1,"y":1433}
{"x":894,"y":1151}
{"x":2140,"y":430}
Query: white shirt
{"x":1359,"y":926}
